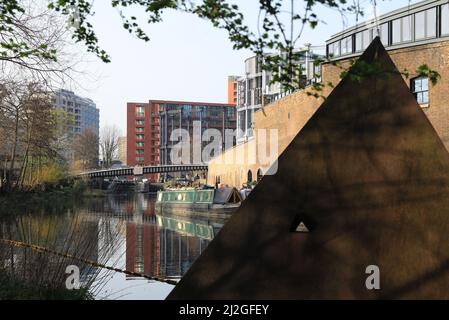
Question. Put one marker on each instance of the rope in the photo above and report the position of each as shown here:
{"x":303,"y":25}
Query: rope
{"x":86,"y":261}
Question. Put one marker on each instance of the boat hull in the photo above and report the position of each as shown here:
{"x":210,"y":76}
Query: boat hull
{"x":197,"y":210}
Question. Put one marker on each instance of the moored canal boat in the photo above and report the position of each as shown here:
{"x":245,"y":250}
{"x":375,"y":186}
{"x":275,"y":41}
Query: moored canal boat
{"x":198,"y":202}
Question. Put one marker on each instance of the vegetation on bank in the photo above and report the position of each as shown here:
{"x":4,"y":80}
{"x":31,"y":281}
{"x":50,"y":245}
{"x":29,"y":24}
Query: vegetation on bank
{"x":12,"y":288}
{"x":49,"y":197}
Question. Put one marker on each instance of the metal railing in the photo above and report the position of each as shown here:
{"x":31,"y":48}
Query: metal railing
{"x":122,"y":172}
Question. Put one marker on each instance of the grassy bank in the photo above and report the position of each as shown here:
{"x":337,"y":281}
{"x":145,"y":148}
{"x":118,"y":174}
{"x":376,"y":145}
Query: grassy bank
{"x":14,"y":289}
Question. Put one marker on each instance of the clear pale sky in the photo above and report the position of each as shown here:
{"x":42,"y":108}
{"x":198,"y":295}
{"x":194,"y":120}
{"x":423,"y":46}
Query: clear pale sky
{"x":186,"y":58}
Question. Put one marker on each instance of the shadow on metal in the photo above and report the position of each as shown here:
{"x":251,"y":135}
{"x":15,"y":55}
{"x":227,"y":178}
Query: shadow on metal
{"x":370,"y":177}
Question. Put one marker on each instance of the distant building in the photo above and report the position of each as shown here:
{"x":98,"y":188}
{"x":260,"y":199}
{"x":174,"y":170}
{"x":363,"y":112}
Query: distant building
{"x":149,"y":126}
{"x":232,"y":89}
{"x":84,"y":112}
{"x":175,"y":115}
{"x":143,"y":131}
{"x":122,"y":150}
{"x":255,"y":89}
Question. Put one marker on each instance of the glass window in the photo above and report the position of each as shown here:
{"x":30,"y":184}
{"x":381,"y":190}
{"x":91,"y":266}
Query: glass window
{"x":344,"y":48}
{"x":359,"y":41}
{"x":396,"y":31}
{"x":346,"y":45}
{"x":140,"y":136}
{"x":445,"y":20}
{"x":330,"y":50}
{"x":406,"y":29}
{"x":140,"y":129}
{"x":431,"y":23}
{"x":337,"y":48}
{"x":384,"y":30}
{"x":140,"y":111}
{"x":349,"y":44}
{"x":366,"y":39}
{"x":420,"y":20}
{"x":402,"y":30}
{"x":426,"y":24}
{"x":420,"y":88}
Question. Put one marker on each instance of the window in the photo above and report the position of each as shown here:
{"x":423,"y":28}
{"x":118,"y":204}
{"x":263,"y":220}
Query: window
{"x":346,"y":45}
{"x":359,"y":41}
{"x":420,"y":25}
{"x":445,"y":20}
{"x":431,"y":23}
{"x":402,"y":30}
{"x":366,"y":39}
{"x":140,"y":136}
{"x":140,"y":151}
{"x":140,"y":129}
{"x":420,"y":88}
{"x":330,"y":51}
{"x":140,"y":144}
{"x":426,"y":24}
{"x":406,"y":29}
{"x":384,"y":31}
{"x":362,"y":40}
{"x":140,"y":111}
{"x":337,"y":48}
{"x":140,"y":122}
{"x":140,"y":159}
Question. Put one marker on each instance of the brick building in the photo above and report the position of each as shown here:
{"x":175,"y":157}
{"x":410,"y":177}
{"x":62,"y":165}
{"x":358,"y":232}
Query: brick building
{"x":150,"y":125}
{"x":413,"y":36}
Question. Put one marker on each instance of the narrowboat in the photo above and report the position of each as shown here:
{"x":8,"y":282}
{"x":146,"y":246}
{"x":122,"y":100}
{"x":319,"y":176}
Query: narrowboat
{"x":198,"y":202}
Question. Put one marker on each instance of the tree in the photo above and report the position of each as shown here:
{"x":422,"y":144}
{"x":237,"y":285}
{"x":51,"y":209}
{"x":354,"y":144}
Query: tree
{"x":86,"y":150}
{"x":33,"y":43}
{"x":279,"y":28}
{"x":28,"y":129}
{"x":109,"y":144}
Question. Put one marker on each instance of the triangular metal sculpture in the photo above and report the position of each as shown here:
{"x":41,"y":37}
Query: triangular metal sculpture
{"x":371,"y":175}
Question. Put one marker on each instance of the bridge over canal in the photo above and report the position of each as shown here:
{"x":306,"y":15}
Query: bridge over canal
{"x":138,"y":171}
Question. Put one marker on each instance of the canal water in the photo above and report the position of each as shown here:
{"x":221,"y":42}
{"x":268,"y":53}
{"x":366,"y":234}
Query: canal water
{"x":122,"y":232}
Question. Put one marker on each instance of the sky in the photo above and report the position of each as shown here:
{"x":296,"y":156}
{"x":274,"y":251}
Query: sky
{"x":186,"y":59}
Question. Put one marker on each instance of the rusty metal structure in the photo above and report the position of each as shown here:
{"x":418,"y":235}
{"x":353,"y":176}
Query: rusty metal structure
{"x":365,"y":183}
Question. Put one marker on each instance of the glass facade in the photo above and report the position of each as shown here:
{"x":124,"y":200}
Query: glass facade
{"x":183,"y":116}
{"x":412,"y":26}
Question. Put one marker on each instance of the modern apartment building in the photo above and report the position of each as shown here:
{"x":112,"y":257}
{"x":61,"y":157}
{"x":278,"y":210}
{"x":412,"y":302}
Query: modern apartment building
{"x":84,"y":112}
{"x":182,"y":115}
{"x":255,"y":89}
{"x":143,"y":132}
{"x":150,"y":126}
{"x":414,"y":36}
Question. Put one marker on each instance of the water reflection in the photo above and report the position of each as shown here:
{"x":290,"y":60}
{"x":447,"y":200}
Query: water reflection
{"x":117,"y":231}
